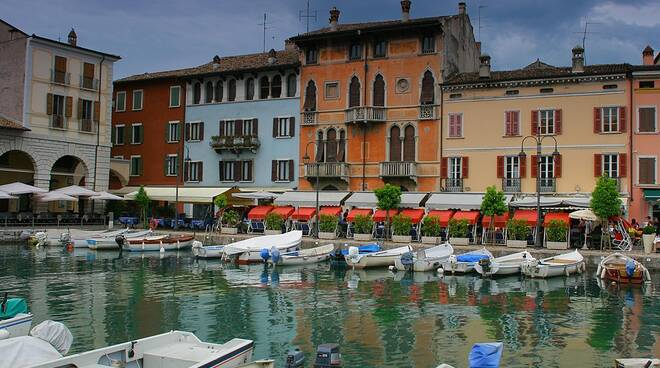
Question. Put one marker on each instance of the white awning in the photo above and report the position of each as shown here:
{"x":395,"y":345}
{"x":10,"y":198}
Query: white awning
{"x":553,"y":201}
{"x":186,"y":195}
{"x":308,"y":199}
{"x":412,"y":200}
{"x":123,"y":190}
{"x":20,"y":188}
{"x":264,"y":189}
{"x":362,"y":200}
{"x":77,"y":191}
{"x":458,"y":201}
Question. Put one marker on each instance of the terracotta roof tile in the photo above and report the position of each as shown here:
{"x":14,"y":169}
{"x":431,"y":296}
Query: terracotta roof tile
{"x":347,"y":27}
{"x":6,"y":123}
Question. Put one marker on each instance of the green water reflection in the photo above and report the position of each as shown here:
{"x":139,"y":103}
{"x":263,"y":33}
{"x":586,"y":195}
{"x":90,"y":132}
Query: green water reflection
{"x":380,"y":319}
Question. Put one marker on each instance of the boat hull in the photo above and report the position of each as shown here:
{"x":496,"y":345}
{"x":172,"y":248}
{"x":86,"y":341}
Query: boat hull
{"x":302,"y":260}
{"x":209,"y":251}
{"x":422,"y":265}
{"x":384,"y":258}
{"x":18,"y":325}
{"x":614,"y":268}
{"x":155,"y":247}
{"x":621,"y":276}
{"x":545,"y":270}
{"x":254,"y":256}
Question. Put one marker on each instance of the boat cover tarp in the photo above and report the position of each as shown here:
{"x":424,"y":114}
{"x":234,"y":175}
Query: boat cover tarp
{"x":367,"y":248}
{"x":486,"y":355}
{"x":54,"y":333}
{"x":470,"y":257}
{"x":26,"y":351}
{"x":13,"y":307}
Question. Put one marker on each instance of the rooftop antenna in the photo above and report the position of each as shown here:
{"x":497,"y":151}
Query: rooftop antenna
{"x":584,"y":34}
{"x":265,"y":25}
{"x":307,"y":15}
{"x":479,"y":21}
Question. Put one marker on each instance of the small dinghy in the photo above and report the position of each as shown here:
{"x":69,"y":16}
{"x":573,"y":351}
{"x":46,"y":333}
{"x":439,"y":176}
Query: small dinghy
{"x":383,"y":258}
{"x":623,"y":269}
{"x":484,"y":355}
{"x":14,"y":318}
{"x":110,"y":241}
{"x":301,"y":257}
{"x":158,"y":243}
{"x":505,"y":265}
{"x":561,"y":265}
{"x":340,"y":254}
{"x":258,"y":249}
{"x":207,"y":251}
{"x":79,"y":238}
{"x":464,"y":263}
{"x":424,"y":259}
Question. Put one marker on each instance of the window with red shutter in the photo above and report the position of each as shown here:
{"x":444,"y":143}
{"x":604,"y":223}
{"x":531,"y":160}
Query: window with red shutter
{"x":557,"y":164}
{"x":597,"y":123}
{"x":598,"y":165}
{"x":558,"y":121}
{"x":500,"y":167}
{"x":623,"y":165}
{"x":622,"y":119}
{"x":443,"y":168}
{"x":535,"y":122}
{"x":455,"y":125}
{"x":523,"y":166}
{"x":534,"y":167}
{"x":465,"y":166}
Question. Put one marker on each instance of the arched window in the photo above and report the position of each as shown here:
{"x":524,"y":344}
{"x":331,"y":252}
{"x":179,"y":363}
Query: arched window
{"x":310,"y":97}
{"x":197,"y":93}
{"x":264,"y":87}
{"x":409,"y":144}
{"x":219,"y":91}
{"x":291,"y":85}
{"x":395,"y":144}
{"x":231,"y":94}
{"x":341,"y":148}
{"x":354,"y":93}
{"x":427,"y":96}
{"x":249,"y":89}
{"x":379,"y":91}
{"x":320,"y":144}
{"x":331,"y":146}
{"x":209,"y":92}
{"x":276,"y":87}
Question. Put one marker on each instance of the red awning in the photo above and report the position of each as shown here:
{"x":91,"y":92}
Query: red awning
{"x":500,"y":221}
{"x":442,"y":215}
{"x":379,"y":216}
{"x":259,"y":212}
{"x":284,"y":212}
{"x":415,"y":214}
{"x":526,"y":215}
{"x":561,"y":216}
{"x":470,"y":216}
{"x":304,"y":213}
{"x":358,"y":212}
{"x":330,"y":210}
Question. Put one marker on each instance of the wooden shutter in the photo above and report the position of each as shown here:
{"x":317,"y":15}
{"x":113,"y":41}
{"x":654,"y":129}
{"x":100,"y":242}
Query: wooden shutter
{"x":623,"y":165}
{"x":113,"y":134}
{"x":557,"y":121}
{"x":535,"y":122}
{"x":200,"y":170}
{"x":292,"y":127}
{"x":49,"y":104}
{"x":598,"y":165}
{"x":320,"y":150}
{"x":622,"y":119}
{"x":88,"y":70}
{"x":255,"y":127}
{"x":238,"y":128}
{"x":221,"y":170}
{"x":201,"y":131}
{"x":237,"y":170}
{"x":60,"y":64}
{"x":186,"y":169}
{"x":427,"y":96}
{"x":141,"y":129}
{"x":508,"y":128}
{"x":69,"y":106}
{"x":500,"y":167}
{"x":250,"y":169}
{"x":291,"y":168}
{"x":465,"y":166}
{"x":523,"y":166}
{"x":443,"y":168}
{"x":379,"y":91}
{"x":221,"y":130}
{"x":80,"y":108}
{"x":275,"y":130}
{"x":140,"y":166}
{"x":331,"y":146}
{"x":187,"y":137}
{"x":557,"y":168}
{"x":310,"y":97}
{"x":97,"y":111}
{"x":534,"y":166}
{"x":341,"y":150}
{"x":165,"y":166}
{"x":597,"y":122}
{"x":127,"y":134}
{"x":354,"y":93}
{"x":452,"y":125}
{"x":273,"y":172}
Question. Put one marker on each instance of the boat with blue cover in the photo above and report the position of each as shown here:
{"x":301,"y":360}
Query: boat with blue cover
{"x":340,"y":254}
{"x":464,"y":263}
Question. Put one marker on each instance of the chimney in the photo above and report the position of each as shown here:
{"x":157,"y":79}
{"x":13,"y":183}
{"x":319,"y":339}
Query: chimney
{"x":478,"y":44}
{"x":216,"y":62}
{"x":73,"y":38}
{"x":578,"y":60}
{"x":290,"y":45}
{"x":647,"y":55}
{"x":334,"y":18}
{"x":405,"y":10}
{"x":461,"y":8}
{"x":272,"y":56}
{"x":484,"y":67}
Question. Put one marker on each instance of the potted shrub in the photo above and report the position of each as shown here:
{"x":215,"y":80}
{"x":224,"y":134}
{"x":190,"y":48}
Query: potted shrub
{"x":401,"y":226}
{"x":363,"y":227}
{"x":389,"y":198}
{"x":230,"y":221}
{"x":556,"y":235}
{"x":431,"y":230}
{"x":517,"y":233}
{"x":273,"y":224}
{"x":648,"y":237}
{"x":328,"y":226}
{"x":459,"y":231}
{"x":493,"y":204}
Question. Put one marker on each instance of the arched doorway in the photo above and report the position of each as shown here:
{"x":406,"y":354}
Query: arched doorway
{"x":329,"y":188}
{"x":16,"y":166}
{"x":67,"y":170}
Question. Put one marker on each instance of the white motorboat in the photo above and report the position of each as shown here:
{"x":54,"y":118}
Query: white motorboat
{"x":157,"y":243}
{"x":561,"y":265}
{"x":14,"y":318}
{"x":505,"y":265}
{"x":464,"y":263}
{"x":258,"y":249}
{"x":424,"y":259}
{"x":383,"y":258}
{"x":622,"y":269}
{"x":109,"y":241}
{"x":79,"y":238}
{"x":302,"y":257}
{"x":207,"y":251}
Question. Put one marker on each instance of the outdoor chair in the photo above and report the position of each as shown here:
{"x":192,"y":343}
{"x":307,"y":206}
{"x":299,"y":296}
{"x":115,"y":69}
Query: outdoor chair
{"x":256,"y":226}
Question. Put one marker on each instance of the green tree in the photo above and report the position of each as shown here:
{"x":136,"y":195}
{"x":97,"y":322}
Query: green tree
{"x":493,"y":204}
{"x":389,"y":198}
{"x":605,"y":202}
{"x":143,"y":201}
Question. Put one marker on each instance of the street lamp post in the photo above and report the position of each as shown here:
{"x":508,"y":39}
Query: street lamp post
{"x":176,"y":192}
{"x":306,"y":160}
{"x":538,"y":139}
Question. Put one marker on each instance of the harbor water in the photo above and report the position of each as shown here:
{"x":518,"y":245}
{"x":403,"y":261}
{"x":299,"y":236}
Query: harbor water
{"x":380,"y":319}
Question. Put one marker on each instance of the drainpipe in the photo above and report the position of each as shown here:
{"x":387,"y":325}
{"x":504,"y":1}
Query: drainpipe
{"x":442,"y":115}
{"x":364,"y":126}
{"x":98,"y":127}
{"x":630,"y":141}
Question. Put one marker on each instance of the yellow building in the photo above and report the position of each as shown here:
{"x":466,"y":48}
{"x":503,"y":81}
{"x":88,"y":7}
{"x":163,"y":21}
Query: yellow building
{"x":488,"y":115}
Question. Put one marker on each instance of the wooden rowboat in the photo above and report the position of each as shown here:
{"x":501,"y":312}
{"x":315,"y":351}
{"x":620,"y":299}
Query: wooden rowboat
{"x":623,"y":269}
{"x":159,"y":243}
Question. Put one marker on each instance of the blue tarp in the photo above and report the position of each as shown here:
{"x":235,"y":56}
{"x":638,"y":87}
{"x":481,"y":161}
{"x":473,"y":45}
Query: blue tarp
{"x":467,"y":257}
{"x":630,"y":268}
{"x":368,"y":248}
{"x":486,"y":355}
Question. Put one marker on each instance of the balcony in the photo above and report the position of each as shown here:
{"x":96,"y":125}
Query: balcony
{"x":234,"y":144}
{"x":511,"y":185}
{"x":309,"y":117}
{"x":89,"y":83}
{"x":398,"y":170}
{"x":548,"y":185}
{"x":60,"y":77}
{"x":362,"y":114}
{"x":454,"y":185}
{"x":87,"y":126}
{"x":58,"y":122}
{"x":327,"y":170}
{"x":427,"y":112}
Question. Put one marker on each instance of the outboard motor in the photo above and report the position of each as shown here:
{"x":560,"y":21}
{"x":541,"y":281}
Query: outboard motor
{"x":197,"y":247}
{"x":265,"y":254}
{"x":65,"y":238}
{"x":353,"y":253}
{"x":41,"y":238}
{"x":120,"y":240}
{"x":328,"y":356}
{"x":407,"y":260}
{"x":485,"y":265}
{"x":275,"y":255}
{"x":295,"y":359}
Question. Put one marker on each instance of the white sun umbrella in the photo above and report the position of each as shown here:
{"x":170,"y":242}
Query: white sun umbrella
{"x":586,"y":214}
{"x":107,"y":197}
{"x":77,"y":191}
{"x":4,"y":195}
{"x":18,"y":188}
{"x":56,"y":196}
{"x":256,"y":195}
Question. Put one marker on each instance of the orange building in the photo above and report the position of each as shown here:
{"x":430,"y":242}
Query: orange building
{"x":370,"y":110}
{"x":147,"y":120}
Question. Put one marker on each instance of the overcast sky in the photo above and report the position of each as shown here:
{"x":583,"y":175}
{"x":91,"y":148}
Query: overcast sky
{"x":170,"y":34}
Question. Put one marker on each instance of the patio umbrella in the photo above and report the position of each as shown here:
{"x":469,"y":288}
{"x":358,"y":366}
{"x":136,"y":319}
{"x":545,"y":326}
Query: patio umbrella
{"x":56,"y":196}
{"x":256,"y":195}
{"x":18,"y":188}
{"x":106,"y":196}
{"x":4,"y":195}
{"x":586,"y":214}
{"x":77,"y":191}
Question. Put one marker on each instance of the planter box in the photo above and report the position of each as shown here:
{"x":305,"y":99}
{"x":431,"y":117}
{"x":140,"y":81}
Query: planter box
{"x":401,"y":238}
{"x":272,"y":232}
{"x":229,"y":230}
{"x":648,"y":240}
{"x":431,"y":240}
{"x":556,"y":245}
{"x":328,"y":236}
{"x":516,"y":243}
{"x":362,"y":237}
{"x":459,"y":241}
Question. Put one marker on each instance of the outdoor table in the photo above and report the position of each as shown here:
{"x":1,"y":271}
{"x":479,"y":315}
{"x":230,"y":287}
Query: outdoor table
{"x":197,"y":224}
{"x":126,"y":220}
{"x":173,"y":223}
